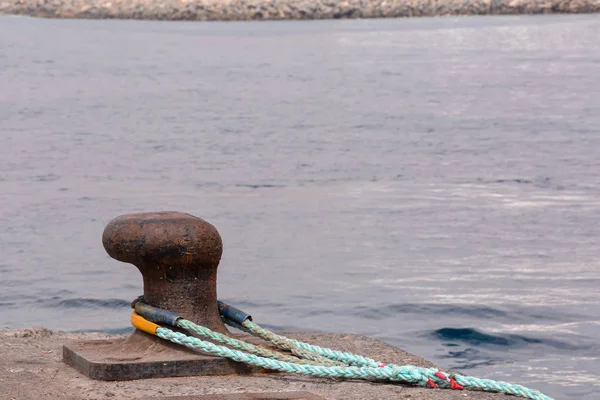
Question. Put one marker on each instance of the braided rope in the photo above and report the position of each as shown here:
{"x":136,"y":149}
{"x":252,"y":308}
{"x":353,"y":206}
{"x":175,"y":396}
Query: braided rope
{"x":247,"y":347}
{"x":467,"y":382}
{"x":406,"y":374}
{"x":489,"y":385}
{"x":287,"y":343}
{"x":409,"y":374}
{"x":284,"y":343}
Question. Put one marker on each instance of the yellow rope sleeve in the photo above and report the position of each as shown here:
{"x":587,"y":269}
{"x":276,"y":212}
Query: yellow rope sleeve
{"x":143,"y":324}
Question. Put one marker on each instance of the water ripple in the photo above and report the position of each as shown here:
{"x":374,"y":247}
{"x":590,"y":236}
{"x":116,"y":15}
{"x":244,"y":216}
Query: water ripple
{"x":391,"y":310}
{"x":474,"y":337}
{"x":85,"y":303}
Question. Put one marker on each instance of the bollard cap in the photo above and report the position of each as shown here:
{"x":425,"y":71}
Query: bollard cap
{"x":167,"y":239}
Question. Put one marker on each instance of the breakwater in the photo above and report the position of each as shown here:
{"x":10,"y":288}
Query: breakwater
{"x":231,"y":10}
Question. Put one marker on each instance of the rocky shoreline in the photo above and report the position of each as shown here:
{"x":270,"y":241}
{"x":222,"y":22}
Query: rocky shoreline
{"x":243,"y":10}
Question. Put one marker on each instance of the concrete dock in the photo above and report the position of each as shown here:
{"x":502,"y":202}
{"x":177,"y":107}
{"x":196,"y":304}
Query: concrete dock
{"x":31,"y":367}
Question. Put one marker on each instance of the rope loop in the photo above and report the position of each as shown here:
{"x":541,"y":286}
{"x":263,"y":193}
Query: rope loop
{"x":304,"y":358}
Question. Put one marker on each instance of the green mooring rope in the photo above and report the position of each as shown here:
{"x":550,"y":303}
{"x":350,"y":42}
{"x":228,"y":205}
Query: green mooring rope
{"x":290,"y":344}
{"x":467,"y":382}
{"x":248,"y":347}
{"x":319,"y":361}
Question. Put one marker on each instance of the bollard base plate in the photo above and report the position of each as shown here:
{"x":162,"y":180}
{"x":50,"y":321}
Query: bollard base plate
{"x":142,"y":356}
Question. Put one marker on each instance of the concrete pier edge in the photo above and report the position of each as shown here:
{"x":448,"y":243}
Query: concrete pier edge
{"x":245,"y":10}
{"x":31,"y":367}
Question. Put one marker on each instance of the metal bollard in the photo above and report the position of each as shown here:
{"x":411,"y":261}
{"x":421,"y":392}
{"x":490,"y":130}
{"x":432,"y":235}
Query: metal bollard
{"x":178,"y":255}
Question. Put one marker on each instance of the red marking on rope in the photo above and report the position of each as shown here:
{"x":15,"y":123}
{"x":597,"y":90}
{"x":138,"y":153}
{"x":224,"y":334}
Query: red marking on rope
{"x":440,"y":375}
{"x":382,"y":365}
{"x":431,"y":383}
{"x":455,"y":385}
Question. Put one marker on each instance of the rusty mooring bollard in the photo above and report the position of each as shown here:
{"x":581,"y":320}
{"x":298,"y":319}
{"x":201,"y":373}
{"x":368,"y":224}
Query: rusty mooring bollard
{"x":178,"y":255}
